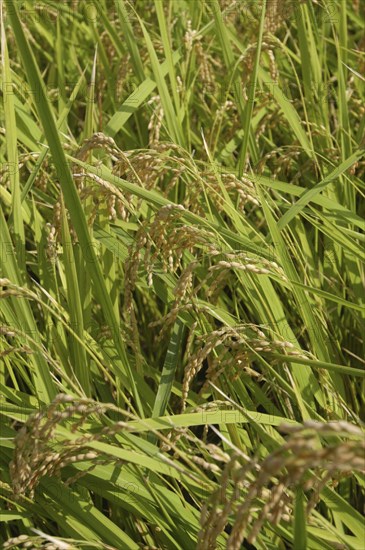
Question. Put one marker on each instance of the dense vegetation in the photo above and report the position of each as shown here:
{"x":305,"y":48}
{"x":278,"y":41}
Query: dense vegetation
{"x":182,"y":274}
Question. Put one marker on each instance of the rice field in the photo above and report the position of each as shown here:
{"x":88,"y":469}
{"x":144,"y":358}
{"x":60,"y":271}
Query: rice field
{"x":182,"y":279}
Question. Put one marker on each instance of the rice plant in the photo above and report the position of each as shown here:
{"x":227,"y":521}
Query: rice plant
{"x":182,"y":274}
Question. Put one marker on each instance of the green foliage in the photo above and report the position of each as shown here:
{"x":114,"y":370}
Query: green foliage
{"x":182,"y":274}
